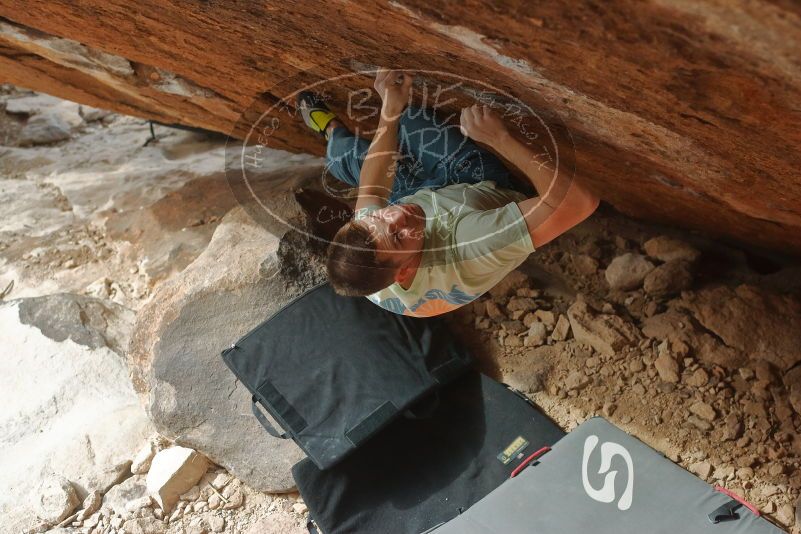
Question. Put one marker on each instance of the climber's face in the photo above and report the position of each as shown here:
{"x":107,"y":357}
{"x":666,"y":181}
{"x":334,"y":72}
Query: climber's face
{"x":398,"y":232}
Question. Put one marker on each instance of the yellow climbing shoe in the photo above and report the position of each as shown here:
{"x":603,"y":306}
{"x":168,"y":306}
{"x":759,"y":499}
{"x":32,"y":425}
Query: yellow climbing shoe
{"x":315,"y":113}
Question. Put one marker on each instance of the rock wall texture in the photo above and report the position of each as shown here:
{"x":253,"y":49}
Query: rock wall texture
{"x":191,"y":396}
{"x":682,"y":111}
{"x":69,"y":410}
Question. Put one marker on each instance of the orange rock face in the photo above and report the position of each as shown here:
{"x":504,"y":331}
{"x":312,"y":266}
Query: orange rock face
{"x":681,"y":111}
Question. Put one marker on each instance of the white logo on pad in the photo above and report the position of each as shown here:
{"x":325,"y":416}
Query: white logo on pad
{"x":607,"y":492}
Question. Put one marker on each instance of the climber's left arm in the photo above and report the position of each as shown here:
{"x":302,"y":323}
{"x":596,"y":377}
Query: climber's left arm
{"x":378,"y":170}
{"x":562,"y":202}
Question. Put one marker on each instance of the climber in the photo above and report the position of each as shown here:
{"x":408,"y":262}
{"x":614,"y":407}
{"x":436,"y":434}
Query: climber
{"x":437,"y":220}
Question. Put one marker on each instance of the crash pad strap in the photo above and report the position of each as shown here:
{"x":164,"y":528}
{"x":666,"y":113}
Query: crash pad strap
{"x":370,"y":424}
{"x":273,"y":399}
{"x":448,"y":371}
{"x":528,"y":460}
{"x":734,"y":496}
{"x":263,"y":420}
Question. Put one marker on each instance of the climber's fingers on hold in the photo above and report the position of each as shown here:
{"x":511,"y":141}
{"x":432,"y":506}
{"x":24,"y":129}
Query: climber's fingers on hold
{"x":464,"y":118}
{"x":383,"y":77}
{"x":407,"y":79}
{"x":476,"y":112}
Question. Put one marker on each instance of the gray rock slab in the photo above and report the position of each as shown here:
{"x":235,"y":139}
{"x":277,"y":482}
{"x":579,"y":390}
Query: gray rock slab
{"x":193,"y":398}
{"x":69,"y":408}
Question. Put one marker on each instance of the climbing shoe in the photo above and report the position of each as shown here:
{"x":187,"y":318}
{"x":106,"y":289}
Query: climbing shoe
{"x":315,"y":113}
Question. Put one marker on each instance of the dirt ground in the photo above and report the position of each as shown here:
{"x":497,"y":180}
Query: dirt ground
{"x":647,"y":363}
{"x":688,"y":343}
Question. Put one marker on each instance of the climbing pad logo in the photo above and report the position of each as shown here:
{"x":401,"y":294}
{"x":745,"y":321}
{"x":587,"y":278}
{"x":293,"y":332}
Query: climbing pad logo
{"x":606,"y":494}
{"x":266,"y":169}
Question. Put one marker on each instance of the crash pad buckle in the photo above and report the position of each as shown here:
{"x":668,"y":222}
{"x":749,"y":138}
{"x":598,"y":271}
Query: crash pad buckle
{"x":725,"y":512}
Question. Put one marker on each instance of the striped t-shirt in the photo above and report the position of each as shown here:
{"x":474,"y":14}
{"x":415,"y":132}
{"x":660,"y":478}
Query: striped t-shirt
{"x":475,"y":235}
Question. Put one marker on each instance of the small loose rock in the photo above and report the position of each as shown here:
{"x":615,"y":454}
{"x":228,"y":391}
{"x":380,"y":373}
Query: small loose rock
{"x":562,"y":329}
{"x":702,"y":469}
{"x":704,"y":411}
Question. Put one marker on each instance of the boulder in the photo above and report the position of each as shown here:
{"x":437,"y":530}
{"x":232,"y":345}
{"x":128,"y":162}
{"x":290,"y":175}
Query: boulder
{"x":792,"y":381}
{"x":56,"y":499}
{"x":627,"y":272}
{"x":32,"y":104}
{"x":129,"y":490}
{"x":216,"y":523}
{"x":702,"y":469}
{"x":606,"y":333}
{"x":666,"y":364}
{"x":521,"y":304}
{"x":667,"y":249}
{"x":90,"y":505}
{"x":537,"y":334}
{"x":546,"y":317}
{"x":699,"y":378}
{"x":141,"y":462}
{"x":678,"y":330}
{"x":676,"y":156}
{"x":704,"y":411}
{"x":785,"y":514}
{"x":91,"y":114}
{"x":757,"y":323}
{"x":173,"y":472}
{"x":44,"y":129}
{"x":38,"y":104}
{"x":248,"y":271}
{"x":494,"y":311}
{"x":669,"y":279}
{"x":62,"y":424}
{"x":562,"y":329}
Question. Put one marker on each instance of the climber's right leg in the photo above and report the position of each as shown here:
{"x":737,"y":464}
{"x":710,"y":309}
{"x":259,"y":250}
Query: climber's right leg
{"x":344,"y":155}
{"x":345,"y":152}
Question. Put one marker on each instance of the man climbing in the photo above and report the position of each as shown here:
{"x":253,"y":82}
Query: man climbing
{"x":437,"y":222}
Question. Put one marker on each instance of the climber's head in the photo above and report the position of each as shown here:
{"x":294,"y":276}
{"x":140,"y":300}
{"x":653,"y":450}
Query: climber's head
{"x":369,"y":254}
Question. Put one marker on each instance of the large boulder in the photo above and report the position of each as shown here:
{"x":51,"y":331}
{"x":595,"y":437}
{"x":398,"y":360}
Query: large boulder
{"x":69,"y":409}
{"x":674,"y":143}
{"x":249,"y":270}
